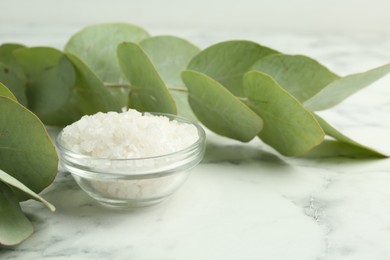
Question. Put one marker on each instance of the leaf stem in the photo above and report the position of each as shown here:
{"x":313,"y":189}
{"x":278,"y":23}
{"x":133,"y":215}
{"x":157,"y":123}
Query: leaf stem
{"x":128,"y":86}
{"x":243,"y":99}
{"x":178,"y":89}
{"x":117,"y":85}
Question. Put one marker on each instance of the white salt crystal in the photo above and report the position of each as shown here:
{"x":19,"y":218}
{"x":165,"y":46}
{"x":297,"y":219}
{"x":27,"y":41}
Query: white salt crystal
{"x":129,"y":134}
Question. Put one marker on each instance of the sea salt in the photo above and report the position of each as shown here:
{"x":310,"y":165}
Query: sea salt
{"x":129,"y":134}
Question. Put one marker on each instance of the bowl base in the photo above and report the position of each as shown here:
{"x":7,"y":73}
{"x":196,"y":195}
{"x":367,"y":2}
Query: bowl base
{"x":120,"y":205}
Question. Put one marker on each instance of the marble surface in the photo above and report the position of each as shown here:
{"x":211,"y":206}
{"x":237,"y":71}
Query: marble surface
{"x":244,"y":201}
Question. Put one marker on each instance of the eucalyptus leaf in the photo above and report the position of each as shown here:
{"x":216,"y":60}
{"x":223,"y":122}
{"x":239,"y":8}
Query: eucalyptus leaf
{"x":170,"y":55}
{"x":6,"y":53}
{"x":180,"y":95}
{"x":333,"y":148}
{"x":148,"y":91}
{"x":8,"y":179}
{"x":14,"y":225}
{"x":5,"y":92}
{"x":96,"y":46}
{"x":51,"y":78}
{"x":340,"y":89}
{"x":347,"y":146}
{"x":289,"y":128}
{"x":17,"y":84}
{"x":227,"y":62}
{"x":26,"y":151}
{"x":11,"y":73}
{"x":301,"y":76}
{"x":220,"y":110}
{"x":89,"y":93}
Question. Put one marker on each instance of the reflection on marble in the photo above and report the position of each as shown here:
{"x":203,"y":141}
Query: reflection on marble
{"x":245,"y":201}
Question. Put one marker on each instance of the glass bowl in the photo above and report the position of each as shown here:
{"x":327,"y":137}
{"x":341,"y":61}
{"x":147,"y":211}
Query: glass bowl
{"x":127,"y":183}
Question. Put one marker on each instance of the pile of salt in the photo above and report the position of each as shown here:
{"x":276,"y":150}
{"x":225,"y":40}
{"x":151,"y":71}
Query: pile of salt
{"x":130,"y":134}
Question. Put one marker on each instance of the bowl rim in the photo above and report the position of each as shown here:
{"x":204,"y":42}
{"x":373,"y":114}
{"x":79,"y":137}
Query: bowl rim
{"x":200,"y":142}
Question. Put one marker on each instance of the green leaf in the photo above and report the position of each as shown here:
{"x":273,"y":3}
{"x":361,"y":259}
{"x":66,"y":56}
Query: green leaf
{"x":333,"y":148}
{"x":227,"y":62}
{"x":11,"y":73}
{"x":16,"y":84}
{"x":51,"y":78}
{"x":288,"y":127}
{"x":340,"y":89}
{"x":5,"y":92}
{"x":6,"y":53}
{"x":345,"y":147}
{"x":148,"y":92}
{"x":219,"y":110}
{"x":301,"y":76}
{"x":62,"y":88}
{"x":96,"y":45}
{"x":8,"y":179}
{"x":14,"y":225}
{"x":183,"y":107}
{"x":170,"y":55}
{"x":26,"y":151}
{"x":89,"y":93}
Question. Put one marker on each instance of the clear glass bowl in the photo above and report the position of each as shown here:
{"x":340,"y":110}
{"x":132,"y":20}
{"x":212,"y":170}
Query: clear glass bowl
{"x":126,"y":183}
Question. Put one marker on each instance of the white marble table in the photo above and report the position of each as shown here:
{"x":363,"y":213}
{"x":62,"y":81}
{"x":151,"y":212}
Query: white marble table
{"x":244,"y":201}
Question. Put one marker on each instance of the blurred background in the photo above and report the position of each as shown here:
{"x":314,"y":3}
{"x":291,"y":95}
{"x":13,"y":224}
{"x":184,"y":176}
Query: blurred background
{"x":288,"y":16}
{"x":353,"y":29}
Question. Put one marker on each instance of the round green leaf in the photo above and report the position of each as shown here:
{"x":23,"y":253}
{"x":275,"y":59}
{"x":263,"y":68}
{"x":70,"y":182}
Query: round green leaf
{"x":340,"y":89}
{"x":11,"y":73}
{"x":14,"y":225}
{"x":26,"y":151}
{"x":289,"y":128}
{"x":219,"y":110}
{"x":170,"y":55}
{"x":16,"y":84}
{"x":6,"y":52}
{"x":301,"y":76}
{"x":227,"y":62}
{"x":96,"y":45}
{"x":61,"y":88}
{"x":90,"y":95}
{"x":51,"y":78}
{"x":148,"y":92}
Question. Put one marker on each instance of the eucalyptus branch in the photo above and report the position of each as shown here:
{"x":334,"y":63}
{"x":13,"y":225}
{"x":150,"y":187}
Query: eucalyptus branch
{"x":128,"y":86}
